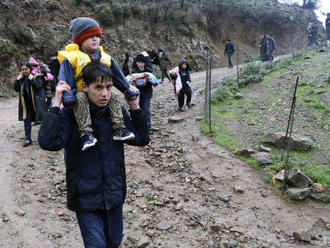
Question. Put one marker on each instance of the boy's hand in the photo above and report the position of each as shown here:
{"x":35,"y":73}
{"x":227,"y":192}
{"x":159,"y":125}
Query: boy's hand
{"x":31,"y":77}
{"x":134,"y":101}
{"x":60,"y":88}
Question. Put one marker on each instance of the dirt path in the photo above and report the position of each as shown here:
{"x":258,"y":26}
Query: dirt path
{"x":182,"y":190}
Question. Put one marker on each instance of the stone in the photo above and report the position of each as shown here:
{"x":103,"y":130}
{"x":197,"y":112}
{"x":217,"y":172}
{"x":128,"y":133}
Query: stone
{"x":298,"y":193}
{"x":237,"y":230}
{"x":163,"y":225}
{"x":317,"y":188}
{"x":199,"y":118}
{"x":238,"y":189}
{"x":297,"y":178}
{"x":4,"y":218}
{"x":326,"y":98}
{"x":150,"y":233}
{"x":245,"y":152}
{"x":298,"y":142}
{"x":194,"y":138}
{"x":262,"y":158}
{"x":302,"y":236}
{"x":324,"y":197}
{"x":279,"y":176}
{"x":19,"y":212}
{"x":176,"y":119}
{"x":143,"y":242}
{"x":225,"y":198}
{"x":264,"y":148}
{"x":238,"y":96}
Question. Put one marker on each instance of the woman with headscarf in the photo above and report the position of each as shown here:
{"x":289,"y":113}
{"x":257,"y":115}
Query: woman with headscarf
{"x":26,"y":85}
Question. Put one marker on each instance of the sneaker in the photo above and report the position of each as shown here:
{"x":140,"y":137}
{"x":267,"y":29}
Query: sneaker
{"x":27,"y":143}
{"x":122,"y":134}
{"x":130,"y":94}
{"x":188,"y":105}
{"x":180,"y":109}
{"x":88,"y":140}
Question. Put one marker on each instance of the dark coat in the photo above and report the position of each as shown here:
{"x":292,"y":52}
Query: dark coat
{"x":95,"y":178}
{"x":327,"y":25}
{"x":229,"y":49}
{"x":184,"y":74}
{"x":164,"y":62}
{"x":154,"y":59}
{"x":28,"y":98}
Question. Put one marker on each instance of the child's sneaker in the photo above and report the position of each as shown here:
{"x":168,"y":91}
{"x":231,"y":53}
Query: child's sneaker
{"x":188,"y":105}
{"x":130,"y":94}
{"x":88,"y":140}
{"x":122,"y":133}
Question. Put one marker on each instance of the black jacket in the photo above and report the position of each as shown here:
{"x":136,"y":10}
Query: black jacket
{"x":229,"y":49}
{"x":29,"y":91}
{"x":95,"y":178}
{"x":327,"y":25}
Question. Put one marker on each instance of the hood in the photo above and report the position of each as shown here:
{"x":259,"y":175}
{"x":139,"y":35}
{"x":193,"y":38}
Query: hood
{"x":184,"y":61}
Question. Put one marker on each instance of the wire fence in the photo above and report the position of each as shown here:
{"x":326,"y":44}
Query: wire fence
{"x":253,"y":108}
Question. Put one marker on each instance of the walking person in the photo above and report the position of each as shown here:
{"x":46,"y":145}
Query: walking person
{"x":180,"y":76}
{"x":263,"y":48}
{"x":126,"y":64}
{"x":144,"y":80}
{"x":164,"y":63}
{"x":95,"y":179}
{"x":229,"y":51}
{"x":270,"y":44}
{"x":327,"y":29}
{"x":26,"y":85}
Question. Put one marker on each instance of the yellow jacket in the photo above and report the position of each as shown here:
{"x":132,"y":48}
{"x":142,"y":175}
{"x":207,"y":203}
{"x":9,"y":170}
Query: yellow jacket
{"x":79,"y":60}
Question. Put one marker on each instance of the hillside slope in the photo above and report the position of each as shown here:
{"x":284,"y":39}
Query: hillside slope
{"x":39,"y":27}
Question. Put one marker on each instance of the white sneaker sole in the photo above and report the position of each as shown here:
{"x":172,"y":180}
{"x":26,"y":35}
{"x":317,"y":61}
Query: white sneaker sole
{"x":86,"y":147}
{"x":129,"y":137}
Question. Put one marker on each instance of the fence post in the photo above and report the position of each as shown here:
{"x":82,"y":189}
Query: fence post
{"x":210,"y":88}
{"x":206,"y":89}
{"x":237,"y":65}
{"x":288,"y":135}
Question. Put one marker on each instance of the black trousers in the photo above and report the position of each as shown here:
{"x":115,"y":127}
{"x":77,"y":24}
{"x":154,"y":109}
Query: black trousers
{"x":185,"y":91}
{"x":230,"y":64}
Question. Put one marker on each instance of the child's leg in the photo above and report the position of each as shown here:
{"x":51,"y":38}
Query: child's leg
{"x":82,"y":113}
{"x":121,"y":132}
{"x":116,"y":115}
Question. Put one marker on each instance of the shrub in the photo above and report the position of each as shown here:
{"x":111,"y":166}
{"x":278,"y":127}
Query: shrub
{"x":7,"y":50}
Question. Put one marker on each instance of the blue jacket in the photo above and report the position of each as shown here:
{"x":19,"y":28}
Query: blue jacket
{"x":95,"y":178}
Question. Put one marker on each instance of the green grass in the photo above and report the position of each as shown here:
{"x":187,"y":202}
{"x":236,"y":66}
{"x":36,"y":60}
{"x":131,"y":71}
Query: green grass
{"x":3,"y":94}
{"x":226,"y":109}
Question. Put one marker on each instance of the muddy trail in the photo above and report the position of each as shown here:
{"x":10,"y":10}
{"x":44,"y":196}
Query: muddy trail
{"x":183,"y":190}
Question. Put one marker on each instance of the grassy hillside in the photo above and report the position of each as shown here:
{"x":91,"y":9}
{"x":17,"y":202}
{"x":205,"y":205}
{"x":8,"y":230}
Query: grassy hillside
{"x":265,"y":107}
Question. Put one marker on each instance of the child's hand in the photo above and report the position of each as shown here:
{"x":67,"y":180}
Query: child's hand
{"x":31,"y":77}
{"x":60,"y":88}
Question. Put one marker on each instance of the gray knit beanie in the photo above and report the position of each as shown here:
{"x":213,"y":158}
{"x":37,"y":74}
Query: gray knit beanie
{"x":82,"y":28}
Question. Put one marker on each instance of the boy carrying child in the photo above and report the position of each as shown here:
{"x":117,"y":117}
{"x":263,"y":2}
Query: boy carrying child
{"x":86,"y":34}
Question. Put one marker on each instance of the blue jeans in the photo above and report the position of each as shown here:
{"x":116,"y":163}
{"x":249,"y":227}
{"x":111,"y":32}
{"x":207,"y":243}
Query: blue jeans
{"x":27,"y":126}
{"x":101,"y":229}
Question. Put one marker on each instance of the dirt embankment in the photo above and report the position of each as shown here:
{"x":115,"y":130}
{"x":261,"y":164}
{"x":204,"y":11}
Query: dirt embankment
{"x":40,"y":27}
{"x":183,"y":190}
